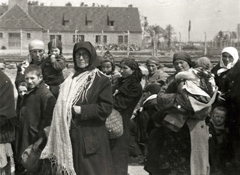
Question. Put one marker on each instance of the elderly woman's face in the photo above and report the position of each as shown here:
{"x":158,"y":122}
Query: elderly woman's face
{"x":181,"y":65}
{"x":226,"y":58}
{"x":82,"y":57}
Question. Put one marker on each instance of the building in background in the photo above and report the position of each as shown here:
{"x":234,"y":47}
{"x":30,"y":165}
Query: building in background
{"x":20,"y":23}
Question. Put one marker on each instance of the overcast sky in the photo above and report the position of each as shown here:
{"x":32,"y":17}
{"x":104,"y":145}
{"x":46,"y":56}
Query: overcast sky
{"x":208,"y":16}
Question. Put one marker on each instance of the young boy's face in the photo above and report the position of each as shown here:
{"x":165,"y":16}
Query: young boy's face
{"x":32,"y":79}
{"x":106,"y":68}
{"x":22,"y":90}
{"x":218,"y":117}
{"x":55,"y":51}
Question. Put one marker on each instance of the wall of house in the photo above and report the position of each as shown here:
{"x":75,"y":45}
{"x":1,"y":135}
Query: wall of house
{"x":112,"y":38}
{"x":4,"y":41}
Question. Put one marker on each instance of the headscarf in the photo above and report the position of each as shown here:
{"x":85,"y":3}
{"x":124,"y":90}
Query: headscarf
{"x":183,"y":56}
{"x":234,"y":53}
{"x":152,"y":60}
{"x":137,"y":73}
{"x":93,"y":61}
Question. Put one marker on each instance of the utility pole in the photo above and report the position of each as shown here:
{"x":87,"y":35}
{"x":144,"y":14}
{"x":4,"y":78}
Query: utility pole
{"x":21,"y":39}
{"x":154,"y":44}
{"x":205,"y":44}
{"x":128,"y":47}
{"x":76,"y":36}
{"x":102,"y":37}
{"x":180,"y":48}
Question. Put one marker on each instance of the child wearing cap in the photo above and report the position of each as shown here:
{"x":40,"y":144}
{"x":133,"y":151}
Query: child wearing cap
{"x":108,"y":67}
{"x":53,"y":66}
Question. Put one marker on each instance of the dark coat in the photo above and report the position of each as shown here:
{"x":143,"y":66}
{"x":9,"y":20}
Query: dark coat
{"x":124,"y":101}
{"x":35,"y":114}
{"x":89,"y":136}
{"x":7,"y":109}
{"x":229,"y":84}
{"x":88,"y":133}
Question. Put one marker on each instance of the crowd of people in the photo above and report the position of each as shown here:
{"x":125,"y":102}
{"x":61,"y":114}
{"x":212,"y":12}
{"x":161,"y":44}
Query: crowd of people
{"x":184,"y":123}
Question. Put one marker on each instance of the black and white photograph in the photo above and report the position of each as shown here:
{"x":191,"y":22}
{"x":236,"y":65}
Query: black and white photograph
{"x":119,"y":87}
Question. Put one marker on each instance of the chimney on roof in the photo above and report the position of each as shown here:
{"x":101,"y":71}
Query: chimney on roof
{"x":130,"y":5}
{"x":23,"y":4}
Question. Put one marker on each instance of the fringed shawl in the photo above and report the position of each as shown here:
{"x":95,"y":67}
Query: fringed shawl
{"x":59,"y":147}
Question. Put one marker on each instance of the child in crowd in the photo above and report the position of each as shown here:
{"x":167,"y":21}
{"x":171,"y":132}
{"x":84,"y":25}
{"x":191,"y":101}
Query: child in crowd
{"x":196,"y":94}
{"x":22,"y":89}
{"x":53,"y":66}
{"x":219,"y":146}
{"x":35,"y":113}
{"x":108,"y":67}
{"x":143,"y":118}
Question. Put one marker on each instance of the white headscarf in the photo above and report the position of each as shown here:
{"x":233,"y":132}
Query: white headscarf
{"x":234,"y":53}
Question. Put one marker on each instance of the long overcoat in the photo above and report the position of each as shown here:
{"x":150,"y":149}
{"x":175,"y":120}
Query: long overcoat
{"x":35,"y":114}
{"x":89,"y":136}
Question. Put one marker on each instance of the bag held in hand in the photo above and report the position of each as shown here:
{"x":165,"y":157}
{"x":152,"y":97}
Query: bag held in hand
{"x":114,"y":124}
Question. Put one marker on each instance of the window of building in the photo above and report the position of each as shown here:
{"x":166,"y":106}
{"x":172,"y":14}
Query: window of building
{"x":14,"y":40}
{"x":77,"y":38}
{"x":125,"y":39}
{"x":1,"y":35}
{"x":28,"y":36}
{"x":98,"y":39}
{"x":111,"y":23}
{"x":55,"y":36}
{"x":89,"y":23}
{"x":105,"y":39}
{"x":120,"y":39}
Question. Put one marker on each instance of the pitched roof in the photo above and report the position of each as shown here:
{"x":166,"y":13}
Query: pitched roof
{"x":16,"y":18}
{"x":51,"y":18}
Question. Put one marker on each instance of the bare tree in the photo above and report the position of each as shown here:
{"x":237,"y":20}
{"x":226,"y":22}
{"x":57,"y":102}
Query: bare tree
{"x":169,"y":31}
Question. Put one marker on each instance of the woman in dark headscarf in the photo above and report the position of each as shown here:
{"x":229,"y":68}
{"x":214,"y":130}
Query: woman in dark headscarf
{"x":184,"y":151}
{"x":128,"y":92}
{"x":7,"y":123}
{"x":78,"y":141}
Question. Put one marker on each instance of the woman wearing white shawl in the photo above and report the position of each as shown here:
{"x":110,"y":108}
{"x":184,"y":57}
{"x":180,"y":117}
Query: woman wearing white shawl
{"x":227,"y":77}
{"x":78,"y":140}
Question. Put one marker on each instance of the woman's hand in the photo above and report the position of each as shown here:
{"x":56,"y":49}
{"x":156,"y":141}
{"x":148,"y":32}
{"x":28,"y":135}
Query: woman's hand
{"x":77,"y":109}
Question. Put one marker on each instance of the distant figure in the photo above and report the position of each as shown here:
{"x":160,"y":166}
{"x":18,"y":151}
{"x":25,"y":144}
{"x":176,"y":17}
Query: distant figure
{"x":53,"y":66}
